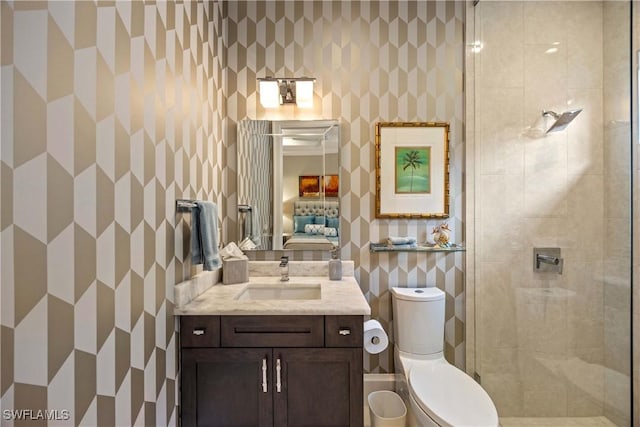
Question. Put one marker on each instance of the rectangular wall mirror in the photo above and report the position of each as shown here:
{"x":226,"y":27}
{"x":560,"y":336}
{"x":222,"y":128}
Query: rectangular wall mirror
{"x":288,"y":185}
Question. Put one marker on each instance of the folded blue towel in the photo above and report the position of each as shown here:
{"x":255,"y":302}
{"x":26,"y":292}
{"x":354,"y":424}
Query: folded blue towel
{"x":401,"y":241}
{"x":407,"y":246}
{"x":204,"y":235}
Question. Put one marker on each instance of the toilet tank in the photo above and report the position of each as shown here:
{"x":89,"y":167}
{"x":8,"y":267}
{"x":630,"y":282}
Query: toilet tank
{"x":418,"y":319}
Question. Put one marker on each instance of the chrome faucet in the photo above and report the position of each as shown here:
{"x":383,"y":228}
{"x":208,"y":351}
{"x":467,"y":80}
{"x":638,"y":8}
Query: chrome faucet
{"x":546,"y":259}
{"x":284,"y":269}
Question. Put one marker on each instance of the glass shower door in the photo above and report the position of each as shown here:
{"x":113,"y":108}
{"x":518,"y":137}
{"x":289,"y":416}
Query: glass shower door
{"x":549,"y":344}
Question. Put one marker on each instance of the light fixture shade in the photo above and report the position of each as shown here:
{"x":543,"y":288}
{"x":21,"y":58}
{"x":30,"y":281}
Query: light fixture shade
{"x":304,"y":93}
{"x":269,"y":93}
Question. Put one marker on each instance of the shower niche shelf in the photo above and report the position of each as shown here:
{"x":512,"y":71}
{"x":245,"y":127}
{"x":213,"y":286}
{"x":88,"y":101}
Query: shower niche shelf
{"x":381,"y":247}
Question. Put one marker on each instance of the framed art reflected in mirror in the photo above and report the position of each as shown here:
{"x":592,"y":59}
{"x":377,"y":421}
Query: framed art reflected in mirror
{"x":331,"y":185}
{"x":412,"y":170}
{"x":309,"y":186}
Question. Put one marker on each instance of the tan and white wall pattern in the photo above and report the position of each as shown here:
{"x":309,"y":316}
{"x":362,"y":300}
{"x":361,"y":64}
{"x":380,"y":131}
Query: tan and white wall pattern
{"x":373,"y":61}
{"x":110,"y":111}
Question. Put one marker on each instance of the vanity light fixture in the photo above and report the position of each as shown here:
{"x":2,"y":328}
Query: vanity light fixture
{"x":269,"y":93}
{"x":276,"y":91}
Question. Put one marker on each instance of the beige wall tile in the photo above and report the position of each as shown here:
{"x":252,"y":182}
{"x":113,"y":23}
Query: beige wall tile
{"x":585,"y":64}
{"x":502,"y":39}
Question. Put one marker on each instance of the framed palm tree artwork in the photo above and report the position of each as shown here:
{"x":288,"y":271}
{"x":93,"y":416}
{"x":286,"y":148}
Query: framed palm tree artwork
{"x":412,"y":170}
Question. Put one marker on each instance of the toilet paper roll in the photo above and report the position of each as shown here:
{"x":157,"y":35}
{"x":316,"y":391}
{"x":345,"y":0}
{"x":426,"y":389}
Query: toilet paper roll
{"x":375,"y":338}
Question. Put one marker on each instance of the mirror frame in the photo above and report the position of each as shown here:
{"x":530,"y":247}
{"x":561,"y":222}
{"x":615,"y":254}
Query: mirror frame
{"x":277,"y":128}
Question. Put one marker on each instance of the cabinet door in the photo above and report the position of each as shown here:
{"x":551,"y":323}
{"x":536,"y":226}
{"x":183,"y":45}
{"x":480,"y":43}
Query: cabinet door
{"x":224,"y":387}
{"x":321,"y":387}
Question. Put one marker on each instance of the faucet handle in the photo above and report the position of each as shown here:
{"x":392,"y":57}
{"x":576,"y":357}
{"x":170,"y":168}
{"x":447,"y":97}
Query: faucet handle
{"x":284,"y":261}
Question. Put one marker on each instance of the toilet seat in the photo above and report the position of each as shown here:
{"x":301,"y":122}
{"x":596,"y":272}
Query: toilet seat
{"x":450,"y":397}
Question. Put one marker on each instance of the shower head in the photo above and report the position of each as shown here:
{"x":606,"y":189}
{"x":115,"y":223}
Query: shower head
{"x":561,"y":120}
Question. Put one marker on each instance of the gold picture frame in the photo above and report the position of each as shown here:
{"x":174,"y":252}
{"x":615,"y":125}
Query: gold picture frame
{"x":412,"y":169}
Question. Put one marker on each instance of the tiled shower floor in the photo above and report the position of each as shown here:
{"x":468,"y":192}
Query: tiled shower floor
{"x":556,"y":422}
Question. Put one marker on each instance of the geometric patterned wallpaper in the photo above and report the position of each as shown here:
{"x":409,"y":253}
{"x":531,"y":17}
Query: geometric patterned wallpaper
{"x":373,"y":61}
{"x":110,"y":111}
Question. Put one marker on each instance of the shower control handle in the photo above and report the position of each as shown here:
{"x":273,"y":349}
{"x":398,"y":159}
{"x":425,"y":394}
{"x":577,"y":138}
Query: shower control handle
{"x":547,"y":260}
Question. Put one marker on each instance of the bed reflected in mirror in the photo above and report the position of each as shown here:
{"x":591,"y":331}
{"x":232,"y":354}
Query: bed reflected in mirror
{"x":316,"y":225}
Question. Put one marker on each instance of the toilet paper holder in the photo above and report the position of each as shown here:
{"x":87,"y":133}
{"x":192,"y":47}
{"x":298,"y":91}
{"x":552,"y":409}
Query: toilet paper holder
{"x":375,"y":338}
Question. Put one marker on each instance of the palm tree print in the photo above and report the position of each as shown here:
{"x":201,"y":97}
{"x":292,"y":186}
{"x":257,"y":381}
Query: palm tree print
{"x":412,"y":170}
{"x":412,"y":160}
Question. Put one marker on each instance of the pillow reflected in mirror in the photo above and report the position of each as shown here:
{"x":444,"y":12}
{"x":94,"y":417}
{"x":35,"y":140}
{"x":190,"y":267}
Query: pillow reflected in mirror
{"x":314,"y":229}
{"x":333,"y":223}
{"x":330,"y":232}
{"x":299,"y":222}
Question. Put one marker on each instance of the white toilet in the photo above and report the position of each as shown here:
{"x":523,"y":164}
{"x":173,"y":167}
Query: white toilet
{"x":439,"y":394}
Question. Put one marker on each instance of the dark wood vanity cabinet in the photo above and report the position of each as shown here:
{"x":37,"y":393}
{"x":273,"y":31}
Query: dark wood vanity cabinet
{"x":220,"y":387}
{"x":271,"y":371}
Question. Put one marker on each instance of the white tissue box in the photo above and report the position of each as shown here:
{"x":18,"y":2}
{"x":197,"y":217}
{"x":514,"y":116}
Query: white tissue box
{"x":235,"y":271}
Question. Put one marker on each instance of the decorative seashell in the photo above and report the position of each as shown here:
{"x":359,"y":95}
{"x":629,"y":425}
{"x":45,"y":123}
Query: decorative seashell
{"x":441,"y":235}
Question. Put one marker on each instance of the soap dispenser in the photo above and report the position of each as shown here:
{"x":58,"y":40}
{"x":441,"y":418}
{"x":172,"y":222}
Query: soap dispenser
{"x":335,"y":266}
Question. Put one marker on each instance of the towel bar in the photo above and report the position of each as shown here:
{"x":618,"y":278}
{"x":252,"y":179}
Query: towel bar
{"x":185,"y":205}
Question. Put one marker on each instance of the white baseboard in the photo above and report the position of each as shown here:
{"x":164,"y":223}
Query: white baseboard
{"x":375,"y":382}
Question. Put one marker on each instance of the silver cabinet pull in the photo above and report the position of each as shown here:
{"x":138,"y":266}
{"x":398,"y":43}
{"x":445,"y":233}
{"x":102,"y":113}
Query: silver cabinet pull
{"x":278,"y":379}
{"x":344,"y":331}
{"x":264,"y":375}
{"x":198,"y":332}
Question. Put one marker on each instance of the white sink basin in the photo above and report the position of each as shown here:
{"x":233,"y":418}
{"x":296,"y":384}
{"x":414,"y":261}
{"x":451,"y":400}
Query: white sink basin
{"x":285,"y":291}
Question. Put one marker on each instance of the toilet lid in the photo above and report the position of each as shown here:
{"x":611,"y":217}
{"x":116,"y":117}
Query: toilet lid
{"x":451,"y":397}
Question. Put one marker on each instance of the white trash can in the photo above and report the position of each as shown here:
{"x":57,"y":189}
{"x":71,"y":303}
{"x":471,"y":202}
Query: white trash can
{"x":387,"y":409}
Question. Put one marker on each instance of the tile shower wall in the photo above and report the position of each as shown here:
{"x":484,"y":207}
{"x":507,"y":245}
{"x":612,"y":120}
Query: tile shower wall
{"x":110,"y":112}
{"x":374,"y":61}
{"x":617,"y":185}
{"x":539,"y":334}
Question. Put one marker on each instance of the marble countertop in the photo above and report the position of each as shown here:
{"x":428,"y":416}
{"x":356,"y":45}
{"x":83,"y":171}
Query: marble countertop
{"x":340,"y":297}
